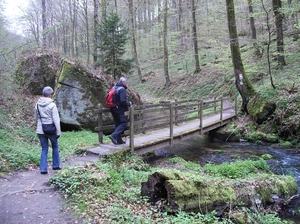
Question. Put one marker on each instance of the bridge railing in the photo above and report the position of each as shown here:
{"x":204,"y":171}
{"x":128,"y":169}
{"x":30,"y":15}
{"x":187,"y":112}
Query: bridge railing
{"x":150,"y":117}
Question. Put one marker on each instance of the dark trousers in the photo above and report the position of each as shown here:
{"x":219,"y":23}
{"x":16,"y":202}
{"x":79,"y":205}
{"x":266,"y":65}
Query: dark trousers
{"x":120,"y":125}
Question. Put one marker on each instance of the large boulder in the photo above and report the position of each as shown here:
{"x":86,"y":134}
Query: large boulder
{"x":77,"y":90}
{"x":259,"y":109}
{"x":77,"y":94}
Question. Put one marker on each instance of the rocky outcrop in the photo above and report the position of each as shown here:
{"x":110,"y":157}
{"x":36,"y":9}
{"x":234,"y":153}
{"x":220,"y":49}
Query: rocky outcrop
{"x":77,"y":90}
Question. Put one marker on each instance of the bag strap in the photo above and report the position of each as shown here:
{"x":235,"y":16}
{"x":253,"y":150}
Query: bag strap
{"x":37,"y":106}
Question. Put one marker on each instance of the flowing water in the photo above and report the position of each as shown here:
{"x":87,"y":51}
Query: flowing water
{"x":203,"y":150}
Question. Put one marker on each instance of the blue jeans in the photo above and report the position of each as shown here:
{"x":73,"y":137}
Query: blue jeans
{"x":44,"y":154}
{"x":120,"y":125}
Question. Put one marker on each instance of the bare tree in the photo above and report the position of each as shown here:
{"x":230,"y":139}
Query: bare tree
{"x":279,"y":31}
{"x":195,"y":39}
{"x":268,"y":44}
{"x":252,"y":23}
{"x":96,"y":32}
{"x":134,"y":48}
{"x":73,"y":14}
{"x":44,"y":22}
{"x":180,"y":15}
{"x":87,"y":30}
{"x":34,"y":23}
{"x":165,"y":43}
{"x":242,"y":82}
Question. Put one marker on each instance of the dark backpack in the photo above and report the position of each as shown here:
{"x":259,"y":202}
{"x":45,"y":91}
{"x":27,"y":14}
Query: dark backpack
{"x":112,"y":97}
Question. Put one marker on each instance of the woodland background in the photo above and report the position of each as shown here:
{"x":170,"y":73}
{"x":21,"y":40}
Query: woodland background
{"x":176,"y":26}
{"x":163,"y":36}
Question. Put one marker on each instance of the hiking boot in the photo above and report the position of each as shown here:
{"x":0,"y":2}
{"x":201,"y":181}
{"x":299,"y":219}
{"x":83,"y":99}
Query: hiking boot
{"x":113,"y":140}
{"x":122,"y":142}
{"x":56,"y":168}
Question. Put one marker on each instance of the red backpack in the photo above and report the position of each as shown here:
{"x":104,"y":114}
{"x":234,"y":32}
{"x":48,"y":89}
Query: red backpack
{"x":112,"y":97}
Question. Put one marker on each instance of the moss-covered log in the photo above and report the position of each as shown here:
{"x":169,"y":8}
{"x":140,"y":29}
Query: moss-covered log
{"x":206,"y":194}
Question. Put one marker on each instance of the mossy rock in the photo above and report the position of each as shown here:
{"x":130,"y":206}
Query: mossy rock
{"x":259,"y":109}
{"x":36,"y":70}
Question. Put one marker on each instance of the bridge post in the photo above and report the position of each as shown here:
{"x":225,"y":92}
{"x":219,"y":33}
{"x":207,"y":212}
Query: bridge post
{"x":221,"y":113}
{"x":176,"y":111}
{"x":215,"y":104}
{"x":100,"y":123}
{"x":201,"y":113}
{"x":131,"y":125}
{"x":236,"y":106}
{"x":171,"y":123}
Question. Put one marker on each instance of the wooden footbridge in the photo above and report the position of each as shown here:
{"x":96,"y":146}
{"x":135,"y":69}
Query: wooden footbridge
{"x":154,"y":126}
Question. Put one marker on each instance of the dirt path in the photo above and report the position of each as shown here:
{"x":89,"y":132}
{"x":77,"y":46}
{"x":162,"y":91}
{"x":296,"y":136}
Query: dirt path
{"x":26,"y":197}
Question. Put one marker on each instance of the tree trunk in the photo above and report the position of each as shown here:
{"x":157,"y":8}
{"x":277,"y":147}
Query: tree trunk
{"x":180,"y":15}
{"x":268,"y":44}
{"x":72,"y":15}
{"x":87,"y":30}
{"x":195,"y":39}
{"x":206,"y":195}
{"x":165,"y":41}
{"x":134,"y":50}
{"x":44,"y":22}
{"x":96,"y":32}
{"x":279,"y":31}
{"x":75,"y":27}
{"x":252,"y":23}
{"x":242,"y":82}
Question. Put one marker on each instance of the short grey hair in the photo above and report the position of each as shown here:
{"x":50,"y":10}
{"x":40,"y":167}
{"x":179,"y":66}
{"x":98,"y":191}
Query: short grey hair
{"x":123,"y":79}
{"x":47,"y":91}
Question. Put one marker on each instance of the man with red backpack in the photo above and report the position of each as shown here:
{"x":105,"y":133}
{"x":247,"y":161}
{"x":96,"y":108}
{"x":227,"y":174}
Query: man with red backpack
{"x":118,"y":112}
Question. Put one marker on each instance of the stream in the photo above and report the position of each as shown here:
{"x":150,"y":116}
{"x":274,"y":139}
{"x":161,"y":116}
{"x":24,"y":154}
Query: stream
{"x":204,"y":150}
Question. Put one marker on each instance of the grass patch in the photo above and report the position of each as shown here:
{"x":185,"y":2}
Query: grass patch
{"x":237,"y":169}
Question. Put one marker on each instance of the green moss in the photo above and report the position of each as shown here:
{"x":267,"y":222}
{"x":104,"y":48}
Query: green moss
{"x":259,"y":109}
{"x":285,"y":143}
{"x":72,"y":70}
{"x":190,"y":194}
{"x":64,"y":71}
{"x":257,"y":136}
{"x":237,"y":169}
{"x":267,"y":156}
{"x":283,"y":186}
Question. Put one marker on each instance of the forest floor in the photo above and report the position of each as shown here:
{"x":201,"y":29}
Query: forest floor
{"x":27,"y":198}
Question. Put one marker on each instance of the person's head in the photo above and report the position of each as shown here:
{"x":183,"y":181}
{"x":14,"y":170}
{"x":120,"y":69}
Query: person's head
{"x":123,"y":80}
{"x":47,"y":91}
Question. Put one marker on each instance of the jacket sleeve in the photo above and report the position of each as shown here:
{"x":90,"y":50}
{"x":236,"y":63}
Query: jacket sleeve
{"x":56,"y":120}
